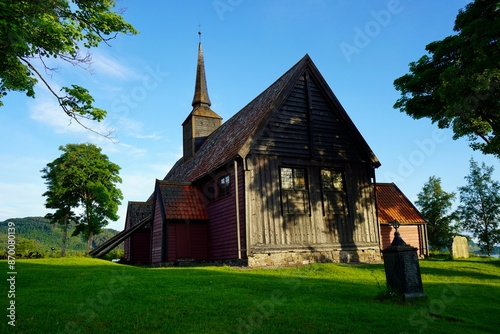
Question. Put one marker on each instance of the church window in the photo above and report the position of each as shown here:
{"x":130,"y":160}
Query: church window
{"x":224,"y":186}
{"x":294,"y":191}
{"x":334,"y":194}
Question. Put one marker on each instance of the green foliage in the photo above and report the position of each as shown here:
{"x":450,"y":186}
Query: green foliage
{"x":82,"y":177}
{"x":39,"y":232}
{"x":435,"y":204}
{"x":90,"y":295}
{"x":457,"y":84}
{"x":116,"y":253}
{"x":26,"y":246}
{"x":479,"y":208}
{"x":38,"y":30}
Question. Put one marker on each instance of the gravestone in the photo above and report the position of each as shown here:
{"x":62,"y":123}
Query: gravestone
{"x":402,"y":270}
{"x":459,"y":247}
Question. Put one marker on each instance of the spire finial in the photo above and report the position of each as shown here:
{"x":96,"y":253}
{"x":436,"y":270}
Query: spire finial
{"x":199,"y":32}
{"x":200,"y":91}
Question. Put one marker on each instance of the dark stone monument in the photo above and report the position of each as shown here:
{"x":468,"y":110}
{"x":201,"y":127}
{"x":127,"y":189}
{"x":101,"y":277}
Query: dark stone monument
{"x":402,"y":270}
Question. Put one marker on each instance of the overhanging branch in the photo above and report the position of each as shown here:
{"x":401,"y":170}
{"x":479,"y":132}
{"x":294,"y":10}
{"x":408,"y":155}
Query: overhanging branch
{"x":70,"y":112}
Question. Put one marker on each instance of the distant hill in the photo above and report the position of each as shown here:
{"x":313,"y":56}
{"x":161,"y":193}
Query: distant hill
{"x":474,"y":249}
{"x":36,"y":234}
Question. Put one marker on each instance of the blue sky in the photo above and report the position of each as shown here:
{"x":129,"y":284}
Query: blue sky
{"x":146,"y":84}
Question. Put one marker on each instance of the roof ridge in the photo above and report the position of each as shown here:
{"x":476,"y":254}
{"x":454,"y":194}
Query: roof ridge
{"x":173,"y":182}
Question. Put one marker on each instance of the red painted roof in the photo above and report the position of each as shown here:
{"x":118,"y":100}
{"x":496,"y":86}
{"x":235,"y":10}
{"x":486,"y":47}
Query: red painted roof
{"x":181,"y":201}
{"x":394,"y":205}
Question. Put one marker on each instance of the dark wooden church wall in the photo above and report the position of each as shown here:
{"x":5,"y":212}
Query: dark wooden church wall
{"x":140,"y":243}
{"x":187,"y":240}
{"x":272,"y":228}
{"x":126,"y":243}
{"x":330,"y":136}
{"x":362,"y":203}
{"x":307,"y":132}
{"x":222,"y":229}
{"x":288,"y":131}
{"x":156,"y":234}
{"x":306,"y":126}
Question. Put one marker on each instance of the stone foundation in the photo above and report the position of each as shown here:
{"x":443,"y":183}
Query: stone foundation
{"x":293,"y":258}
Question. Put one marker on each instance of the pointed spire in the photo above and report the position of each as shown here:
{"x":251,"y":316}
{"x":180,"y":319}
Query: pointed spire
{"x":200,"y":91}
{"x":202,"y":121}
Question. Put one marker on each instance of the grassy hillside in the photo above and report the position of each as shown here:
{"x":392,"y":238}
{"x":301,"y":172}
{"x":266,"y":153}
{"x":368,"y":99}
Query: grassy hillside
{"x":36,"y":234}
{"x":82,"y":295}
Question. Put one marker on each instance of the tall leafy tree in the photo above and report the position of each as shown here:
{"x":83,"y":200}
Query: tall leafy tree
{"x":31,"y":32}
{"x":457,"y":84}
{"x":479,"y":208}
{"x":83,"y":180}
{"x":435,"y":205}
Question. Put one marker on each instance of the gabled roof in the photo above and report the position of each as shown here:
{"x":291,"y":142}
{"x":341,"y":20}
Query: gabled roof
{"x":180,"y":201}
{"x":137,"y":211}
{"x":394,"y":205}
{"x":233,"y":138}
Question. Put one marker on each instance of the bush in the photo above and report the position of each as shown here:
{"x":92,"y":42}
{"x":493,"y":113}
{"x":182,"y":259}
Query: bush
{"x":114,"y":254}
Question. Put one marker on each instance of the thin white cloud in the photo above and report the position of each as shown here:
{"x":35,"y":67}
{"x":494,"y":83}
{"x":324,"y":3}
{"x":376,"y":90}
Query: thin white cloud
{"x":44,"y":109}
{"x":134,"y":129}
{"x":132,"y":150}
{"x":152,"y":136}
{"x":111,"y":67}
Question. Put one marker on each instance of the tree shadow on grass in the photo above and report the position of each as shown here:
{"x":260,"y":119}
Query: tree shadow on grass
{"x":459,"y":272}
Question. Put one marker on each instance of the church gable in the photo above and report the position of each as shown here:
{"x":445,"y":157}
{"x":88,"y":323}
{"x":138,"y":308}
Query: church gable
{"x":311,"y":123}
{"x":331,"y":137}
{"x":287,"y":131}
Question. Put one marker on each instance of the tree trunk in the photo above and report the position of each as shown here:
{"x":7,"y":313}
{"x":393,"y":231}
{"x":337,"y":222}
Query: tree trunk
{"x":489,"y":246}
{"x":89,"y":241}
{"x":64,"y":236}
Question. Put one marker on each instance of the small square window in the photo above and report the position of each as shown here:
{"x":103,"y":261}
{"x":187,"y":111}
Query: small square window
{"x":224,"y":186}
{"x":293,"y":178}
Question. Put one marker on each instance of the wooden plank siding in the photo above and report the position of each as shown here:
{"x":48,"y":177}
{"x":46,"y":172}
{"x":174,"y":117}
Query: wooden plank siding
{"x":222,"y":229}
{"x":127,"y":253}
{"x":272,"y":229}
{"x":307,"y":132}
{"x":140,"y":243}
{"x":187,"y":241}
{"x":307,"y":126}
{"x":411,"y":234}
{"x":156,"y":233}
{"x":330,"y":137}
{"x":287,"y":131}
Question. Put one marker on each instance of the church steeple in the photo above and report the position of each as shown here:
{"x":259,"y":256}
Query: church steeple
{"x":200,"y":90}
{"x":202,"y":120}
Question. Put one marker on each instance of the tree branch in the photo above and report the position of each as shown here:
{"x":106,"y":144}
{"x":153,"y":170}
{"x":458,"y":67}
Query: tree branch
{"x":67,"y":110}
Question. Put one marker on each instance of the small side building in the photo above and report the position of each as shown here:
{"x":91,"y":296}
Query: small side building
{"x":394,"y":205}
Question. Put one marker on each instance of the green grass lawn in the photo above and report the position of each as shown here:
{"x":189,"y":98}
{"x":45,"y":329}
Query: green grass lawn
{"x":82,"y":295}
